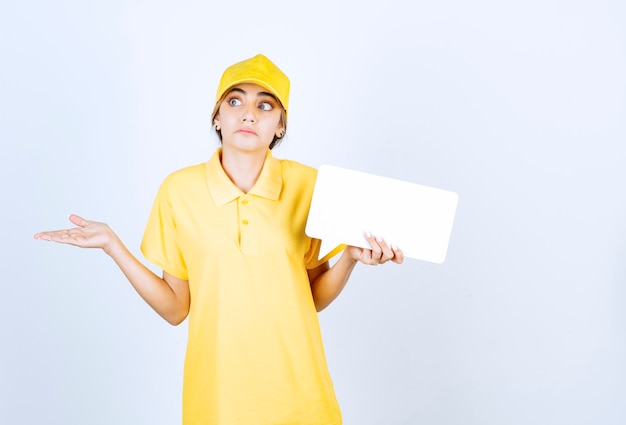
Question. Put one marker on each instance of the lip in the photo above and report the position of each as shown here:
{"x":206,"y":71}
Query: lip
{"x":247,"y":130}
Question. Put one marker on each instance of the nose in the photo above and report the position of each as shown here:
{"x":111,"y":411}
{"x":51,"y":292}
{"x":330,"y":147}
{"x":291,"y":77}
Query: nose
{"x":249,"y":114}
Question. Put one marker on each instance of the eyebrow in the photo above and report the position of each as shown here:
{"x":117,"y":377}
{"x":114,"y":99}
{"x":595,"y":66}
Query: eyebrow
{"x":259,"y":94}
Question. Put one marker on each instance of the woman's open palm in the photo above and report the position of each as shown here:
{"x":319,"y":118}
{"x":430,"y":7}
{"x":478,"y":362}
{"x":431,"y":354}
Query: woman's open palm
{"x":88,"y":234}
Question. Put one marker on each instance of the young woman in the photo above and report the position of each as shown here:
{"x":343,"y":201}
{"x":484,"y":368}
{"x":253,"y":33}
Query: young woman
{"x":229,"y":237}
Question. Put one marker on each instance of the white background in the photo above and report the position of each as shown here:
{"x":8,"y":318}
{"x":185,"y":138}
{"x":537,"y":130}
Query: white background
{"x":517,"y":106}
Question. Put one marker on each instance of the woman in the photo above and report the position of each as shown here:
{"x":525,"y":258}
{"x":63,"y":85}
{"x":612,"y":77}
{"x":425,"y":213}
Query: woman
{"x":229,"y":237}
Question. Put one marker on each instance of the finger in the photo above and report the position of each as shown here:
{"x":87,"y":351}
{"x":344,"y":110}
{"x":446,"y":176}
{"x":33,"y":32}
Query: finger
{"x":62,"y":236}
{"x":381,"y":250}
{"x":42,"y":236}
{"x":375,"y":246}
{"x":48,"y":235}
{"x":386,"y":251}
{"x":78,"y":220}
{"x":398,"y":255}
{"x":68,"y":236}
{"x":366,"y":257}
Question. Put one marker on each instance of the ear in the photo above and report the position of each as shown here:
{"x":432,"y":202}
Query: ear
{"x":216,"y":123}
{"x":280,"y":131}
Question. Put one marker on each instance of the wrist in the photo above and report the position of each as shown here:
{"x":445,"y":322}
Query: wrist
{"x":113,"y":246}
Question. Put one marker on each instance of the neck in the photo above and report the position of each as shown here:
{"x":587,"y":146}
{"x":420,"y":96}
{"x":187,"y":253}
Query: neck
{"x":243,"y":168}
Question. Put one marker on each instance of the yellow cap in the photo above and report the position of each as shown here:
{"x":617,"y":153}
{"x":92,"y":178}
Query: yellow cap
{"x":258,"y":70}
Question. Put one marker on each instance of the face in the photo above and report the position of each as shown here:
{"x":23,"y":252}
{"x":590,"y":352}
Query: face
{"x":248,"y":118}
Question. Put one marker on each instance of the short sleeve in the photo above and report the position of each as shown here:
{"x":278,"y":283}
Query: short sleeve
{"x":160,"y":244}
{"x":311,"y":258}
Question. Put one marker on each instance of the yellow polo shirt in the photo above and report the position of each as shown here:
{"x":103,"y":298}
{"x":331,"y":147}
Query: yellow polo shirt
{"x":254,"y":353}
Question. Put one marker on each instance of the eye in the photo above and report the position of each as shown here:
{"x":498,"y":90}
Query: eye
{"x":233,"y":101}
{"x":266,"y":106}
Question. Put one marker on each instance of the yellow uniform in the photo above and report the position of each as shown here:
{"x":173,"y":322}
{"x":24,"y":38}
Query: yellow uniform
{"x":254,"y":354}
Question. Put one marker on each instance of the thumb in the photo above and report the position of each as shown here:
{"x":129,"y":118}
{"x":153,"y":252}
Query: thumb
{"x":78,"y":220}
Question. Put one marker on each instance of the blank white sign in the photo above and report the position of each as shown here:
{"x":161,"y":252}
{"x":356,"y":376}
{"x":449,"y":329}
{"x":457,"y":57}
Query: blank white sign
{"x":347,"y":203}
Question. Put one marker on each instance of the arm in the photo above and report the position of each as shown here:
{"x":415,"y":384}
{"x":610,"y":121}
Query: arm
{"x":328,"y":282}
{"x":167,"y":295}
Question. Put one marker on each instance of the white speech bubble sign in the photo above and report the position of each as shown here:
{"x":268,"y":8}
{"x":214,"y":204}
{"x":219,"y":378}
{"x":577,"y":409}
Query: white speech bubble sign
{"x":346,"y":203}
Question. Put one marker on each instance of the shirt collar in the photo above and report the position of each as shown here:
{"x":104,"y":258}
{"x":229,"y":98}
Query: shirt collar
{"x":223,"y":190}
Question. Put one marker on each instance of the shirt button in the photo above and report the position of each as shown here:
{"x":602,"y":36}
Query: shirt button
{"x":245,"y":222}
{"x":244,"y":202}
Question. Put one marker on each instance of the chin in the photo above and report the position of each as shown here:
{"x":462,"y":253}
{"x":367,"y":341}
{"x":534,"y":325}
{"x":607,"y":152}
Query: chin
{"x":249,"y":147}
